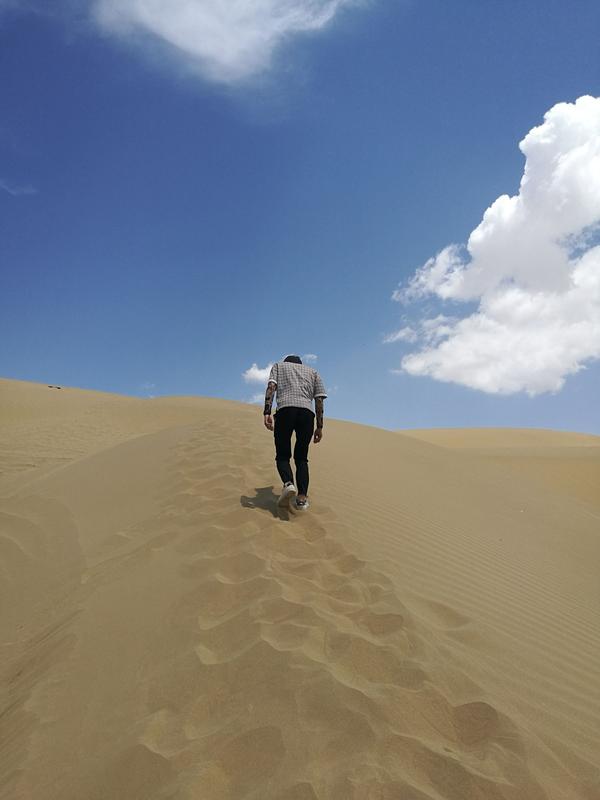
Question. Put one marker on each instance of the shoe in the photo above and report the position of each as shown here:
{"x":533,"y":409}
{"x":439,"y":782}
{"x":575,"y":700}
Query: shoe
{"x":301,"y":505}
{"x":288,"y":493}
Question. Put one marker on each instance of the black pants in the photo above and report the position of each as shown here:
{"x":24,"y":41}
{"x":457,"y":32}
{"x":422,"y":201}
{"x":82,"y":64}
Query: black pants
{"x":287,"y":420}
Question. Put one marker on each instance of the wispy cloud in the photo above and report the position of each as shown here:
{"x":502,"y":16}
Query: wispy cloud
{"x":406,"y":334}
{"x":256,"y":399}
{"x":532,"y":266}
{"x":226,"y":41}
{"x":309,"y":358}
{"x":256,"y":374}
{"x":17,"y":190}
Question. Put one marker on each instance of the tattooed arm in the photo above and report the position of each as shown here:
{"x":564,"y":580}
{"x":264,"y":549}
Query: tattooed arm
{"x":319,"y":401}
{"x":269,"y":395}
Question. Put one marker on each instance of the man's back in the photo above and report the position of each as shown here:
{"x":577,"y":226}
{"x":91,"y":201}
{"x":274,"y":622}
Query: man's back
{"x":297,"y":384}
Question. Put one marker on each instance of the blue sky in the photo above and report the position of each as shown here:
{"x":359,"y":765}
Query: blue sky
{"x":171,"y":215}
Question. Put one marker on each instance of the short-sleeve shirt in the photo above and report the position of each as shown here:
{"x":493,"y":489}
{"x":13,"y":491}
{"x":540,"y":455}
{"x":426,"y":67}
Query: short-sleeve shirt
{"x":297,"y":384}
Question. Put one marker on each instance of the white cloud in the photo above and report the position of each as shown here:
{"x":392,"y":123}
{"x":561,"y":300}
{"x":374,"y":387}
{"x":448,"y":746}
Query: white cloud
{"x":257,"y":398}
{"x":309,"y":358}
{"x":256,"y":374}
{"x":406,"y":334}
{"x":226,"y":40}
{"x":17,"y":190}
{"x":532,"y":266}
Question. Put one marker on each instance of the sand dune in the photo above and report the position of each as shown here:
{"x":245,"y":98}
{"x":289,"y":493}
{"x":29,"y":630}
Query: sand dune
{"x":497,"y":438}
{"x":430,"y":630}
{"x":560,"y":461}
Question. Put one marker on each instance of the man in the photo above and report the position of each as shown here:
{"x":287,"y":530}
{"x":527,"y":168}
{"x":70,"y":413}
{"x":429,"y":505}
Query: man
{"x":296,"y":385}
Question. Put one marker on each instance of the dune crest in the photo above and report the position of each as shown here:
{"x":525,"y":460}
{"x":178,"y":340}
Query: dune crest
{"x":428,"y":630}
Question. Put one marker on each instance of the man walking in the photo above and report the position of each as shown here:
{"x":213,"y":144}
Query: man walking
{"x":296,"y":385}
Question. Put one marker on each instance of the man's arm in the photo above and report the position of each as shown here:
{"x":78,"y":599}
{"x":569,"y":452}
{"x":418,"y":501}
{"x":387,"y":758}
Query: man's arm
{"x":319,"y":402}
{"x":269,"y":395}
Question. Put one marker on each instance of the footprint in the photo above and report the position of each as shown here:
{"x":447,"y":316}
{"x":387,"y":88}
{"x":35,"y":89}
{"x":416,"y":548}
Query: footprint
{"x":250,"y":758}
{"x":296,"y":548}
{"x":311,"y":532}
{"x":327,"y":705}
{"x":286,"y":635}
{"x":234,"y":568}
{"x":349,"y":564}
{"x":137,"y":771}
{"x":214,"y":599}
{"x":227,"y":640}
{"x":372,"y":662}
{"x":475,"y":722}
{"x":304,"y":569}
{"x":382,"y":624}
{"x":448,"y":777}
{"x":350,"y":593}
{"x":314,"y":571}
{"x":278,"y":609}
{"x":241,"y":566}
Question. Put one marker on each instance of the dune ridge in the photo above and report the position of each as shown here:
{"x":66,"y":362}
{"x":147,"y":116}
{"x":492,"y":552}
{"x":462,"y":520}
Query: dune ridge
{"x":429,"y":630}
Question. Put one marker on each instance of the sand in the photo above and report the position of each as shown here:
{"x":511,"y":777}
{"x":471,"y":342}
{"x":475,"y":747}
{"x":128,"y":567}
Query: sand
{"x":430,"y":629}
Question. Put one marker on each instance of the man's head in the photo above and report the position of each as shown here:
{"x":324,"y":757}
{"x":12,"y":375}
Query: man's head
{"x":293,"y":359}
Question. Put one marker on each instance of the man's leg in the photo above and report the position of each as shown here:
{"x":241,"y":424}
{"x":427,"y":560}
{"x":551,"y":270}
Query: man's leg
{"x":284,"y":425}
{"x":305,"y":423}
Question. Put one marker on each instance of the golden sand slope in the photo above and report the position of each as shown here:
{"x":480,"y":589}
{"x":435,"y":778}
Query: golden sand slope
{"x":429,"y":630}
{"x":559,"y":461}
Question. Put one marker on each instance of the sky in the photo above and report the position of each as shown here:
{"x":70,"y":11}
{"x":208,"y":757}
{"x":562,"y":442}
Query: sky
{"x":404,"y":192}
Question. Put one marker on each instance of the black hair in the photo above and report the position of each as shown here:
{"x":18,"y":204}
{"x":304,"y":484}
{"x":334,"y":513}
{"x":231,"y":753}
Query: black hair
{"x":293,"y":359}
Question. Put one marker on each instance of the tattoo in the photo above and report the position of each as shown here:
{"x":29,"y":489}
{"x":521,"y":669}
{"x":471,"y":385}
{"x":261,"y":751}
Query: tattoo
{"x":271,"y":389}
{"x":319,"y":410}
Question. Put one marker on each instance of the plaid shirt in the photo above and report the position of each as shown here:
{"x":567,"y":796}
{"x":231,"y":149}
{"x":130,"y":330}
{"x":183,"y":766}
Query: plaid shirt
{"x":297,"y":384}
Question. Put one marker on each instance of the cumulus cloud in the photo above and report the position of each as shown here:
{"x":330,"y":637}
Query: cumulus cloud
{"x":532,"y":266}
{"x":226,"y":40}
{"x":256,"y":374}
{"x":309,"y":358}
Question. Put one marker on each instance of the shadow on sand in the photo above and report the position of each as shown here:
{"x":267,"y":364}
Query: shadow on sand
{"x":266,"y":499}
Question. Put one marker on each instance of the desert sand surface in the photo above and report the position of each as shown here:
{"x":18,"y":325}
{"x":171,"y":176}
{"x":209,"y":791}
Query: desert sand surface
{"x":561,"y":461}
{"x":429,"y":630}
